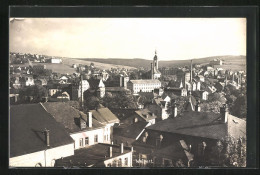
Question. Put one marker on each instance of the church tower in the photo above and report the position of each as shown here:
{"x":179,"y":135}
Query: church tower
{"x":155,"y":61}
{"x":155,"y":73}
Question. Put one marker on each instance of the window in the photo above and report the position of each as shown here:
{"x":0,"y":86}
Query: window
{"x":81,"y":142}
{"x":120,"y":162}
{"x":126,"y":161}
{"x":86,"y":141}
{"x":38,"y":165}
{"x":96,"y":138}
{"x":105,"y":137}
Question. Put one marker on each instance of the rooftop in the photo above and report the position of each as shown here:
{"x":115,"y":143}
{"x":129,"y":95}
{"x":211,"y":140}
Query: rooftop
{"x":104,"y":115}
{"x":27,"y":122}
{"x":202,"y":124}
{"x":131,"y":131}
{"x":67,"y":116}
{"x":94,"y":155}
{"x":145,"y":114}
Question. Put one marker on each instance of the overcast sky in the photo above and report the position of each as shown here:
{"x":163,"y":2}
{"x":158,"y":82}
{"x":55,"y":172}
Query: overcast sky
{"x":173,"y":38}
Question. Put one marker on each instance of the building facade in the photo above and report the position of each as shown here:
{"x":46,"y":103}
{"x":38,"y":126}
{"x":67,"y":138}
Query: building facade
{"x":143,"y":85}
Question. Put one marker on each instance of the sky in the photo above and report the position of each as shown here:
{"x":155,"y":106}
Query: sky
{"x":172,"y":38}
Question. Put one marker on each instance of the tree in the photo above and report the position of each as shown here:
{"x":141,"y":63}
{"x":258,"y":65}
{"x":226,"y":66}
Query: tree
{"x":229,"y":152}
{"x":239,"y":108}
{"x":120,"y":100}
{"x":37,"y":92}
{"x":211,"y":106}
{"x":90,"y":100}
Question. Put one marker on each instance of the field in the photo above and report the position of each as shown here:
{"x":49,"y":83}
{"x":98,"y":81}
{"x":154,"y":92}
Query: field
{"x":99,"y":65}
{"x":66,"y":66}
{"x":230,"y":62}
{"x":234,"y":63}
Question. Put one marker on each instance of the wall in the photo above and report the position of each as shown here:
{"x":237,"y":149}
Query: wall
{"x":123,"y":156}
{"x":30,"y":160}
{"x":90,"y":134}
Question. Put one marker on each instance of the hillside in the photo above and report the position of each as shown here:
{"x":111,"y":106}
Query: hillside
{"x":237,"y":62}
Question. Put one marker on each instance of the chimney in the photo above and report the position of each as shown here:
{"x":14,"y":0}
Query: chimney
{"x":224,"y":113}
{"x":47,"y":136}
{"x":122,"y":148}
{"x":151,"y":70}
{"x":82,"y":97}
{"x":121,"y":81}
{"x":110,"y":151}
{"x":90,"y":119}
{"x":146,"y":116}
{"x":191,"y":71}
{"x":197,"y":107}
{"x":175,"y":110}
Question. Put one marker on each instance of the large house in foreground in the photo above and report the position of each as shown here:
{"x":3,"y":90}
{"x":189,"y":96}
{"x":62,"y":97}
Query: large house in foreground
{"x":85,"y":129}
{"x":36,"y":139}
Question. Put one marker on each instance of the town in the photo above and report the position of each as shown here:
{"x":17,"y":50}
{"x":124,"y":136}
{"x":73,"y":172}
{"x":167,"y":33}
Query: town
{"x":183,"y":116}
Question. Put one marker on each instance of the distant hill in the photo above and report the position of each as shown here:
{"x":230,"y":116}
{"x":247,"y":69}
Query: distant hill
{"x":229,"y":62}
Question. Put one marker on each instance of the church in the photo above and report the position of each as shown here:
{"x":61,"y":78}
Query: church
{"x":155,"y":73}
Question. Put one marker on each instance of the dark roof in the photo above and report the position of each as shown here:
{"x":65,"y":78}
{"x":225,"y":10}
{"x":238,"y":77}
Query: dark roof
{"x":67,"y":116}
{"x":123,"y":113}
{"x":93,"y":155}
{"x":143,"y":112}
{"x":27,"y":121}
{"x":131,"y":131}
{"x":175,"y":151}
{"x":202,"y":124}
{"x":104,"y":115}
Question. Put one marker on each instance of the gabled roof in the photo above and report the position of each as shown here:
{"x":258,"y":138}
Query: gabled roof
{"x":174,"y":151}
{"x":145,"y":112}
{"x":27,"y":121}
{"x":202,"y":124}
{"x":104,"y":115}
{"x":68,"y":116}
{"x":131,"y":131}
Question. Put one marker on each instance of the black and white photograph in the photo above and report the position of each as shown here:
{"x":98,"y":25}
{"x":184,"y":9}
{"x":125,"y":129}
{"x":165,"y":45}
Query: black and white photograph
{"x":128,"y":92}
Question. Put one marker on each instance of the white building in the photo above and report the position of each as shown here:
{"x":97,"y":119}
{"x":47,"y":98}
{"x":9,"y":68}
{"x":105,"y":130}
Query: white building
{"x":56,"y":60}
{"x":83,"y":128}
{"x":86,"y":129}
{"x":216,"y":62}
{"x":143,"y":85}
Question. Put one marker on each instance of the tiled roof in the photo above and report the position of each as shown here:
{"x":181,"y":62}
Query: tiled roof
{"x":174,"y":152}
{"x":94,"y":155}
{"x":143,"y":112}
{"x":149,"y":81}
{"x":202,"y":124}
{"x":27,"y":121}
{"x":123,"y":113}
{"x":104,"y":115}
{"x":131,"y":131}
{"x":67,"y":116}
